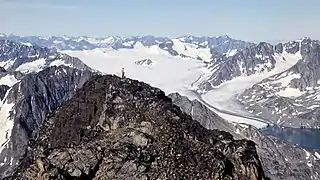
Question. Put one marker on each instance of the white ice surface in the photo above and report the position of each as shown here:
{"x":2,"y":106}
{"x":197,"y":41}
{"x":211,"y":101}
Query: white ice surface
{"x":26,"y":43}
{"x":169,"y":73}
{"x":34,"y":66}
{"x":231,"y":52}
{"x":290,"y":92}
{"x":317,"y":155}
{"x":59,"y":63}
{"x":307,"y":154}
{"x":6,"y":123}
{"x":9,"y":80}
{"x":235,"y":119}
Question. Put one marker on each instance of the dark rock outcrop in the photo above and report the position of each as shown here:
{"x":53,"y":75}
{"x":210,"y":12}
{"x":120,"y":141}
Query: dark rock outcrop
{"x":203,"y":115}
{"x":168,"y":46}
{"x":146,"y":62}
{"x":3,"y":90}
{"x":116,"y":128}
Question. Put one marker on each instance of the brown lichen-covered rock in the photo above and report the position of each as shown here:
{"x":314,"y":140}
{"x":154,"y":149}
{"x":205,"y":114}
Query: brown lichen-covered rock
{"x":124,"y":129}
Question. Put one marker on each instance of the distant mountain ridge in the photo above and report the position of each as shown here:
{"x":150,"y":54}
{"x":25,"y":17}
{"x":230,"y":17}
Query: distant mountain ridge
{"x":221,"y":43}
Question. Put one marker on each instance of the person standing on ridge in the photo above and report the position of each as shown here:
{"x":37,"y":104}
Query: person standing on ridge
{"x":122,"y":72}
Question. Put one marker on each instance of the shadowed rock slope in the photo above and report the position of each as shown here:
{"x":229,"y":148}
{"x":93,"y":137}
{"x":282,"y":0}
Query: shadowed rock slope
{"x":280,"y":160}
{"x":34,"y":97}
{"x":116,"y":128}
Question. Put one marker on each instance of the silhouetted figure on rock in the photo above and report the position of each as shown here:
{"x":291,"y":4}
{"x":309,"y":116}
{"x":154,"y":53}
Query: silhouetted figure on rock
{"x":122,"y":73}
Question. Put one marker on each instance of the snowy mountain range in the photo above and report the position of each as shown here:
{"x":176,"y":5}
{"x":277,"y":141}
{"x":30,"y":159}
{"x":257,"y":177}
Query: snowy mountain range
{"x":290,"y":97}
{"x":221,"y":44}
{"x":262,"y":58}
{"x":243,"y":83}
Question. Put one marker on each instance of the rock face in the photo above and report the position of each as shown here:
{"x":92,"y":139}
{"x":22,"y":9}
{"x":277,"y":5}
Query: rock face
{"x":116,"y":128}
{"x":32,"y":99}
{"x":280,"y":160}
{"x":203,"y":115}
{"x":3,"y":91}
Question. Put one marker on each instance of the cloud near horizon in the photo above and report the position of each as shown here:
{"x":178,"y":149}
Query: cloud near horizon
{"x":36,"y":4}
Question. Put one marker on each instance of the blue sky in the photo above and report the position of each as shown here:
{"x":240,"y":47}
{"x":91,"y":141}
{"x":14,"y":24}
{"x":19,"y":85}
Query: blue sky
{"x":254,"y":20}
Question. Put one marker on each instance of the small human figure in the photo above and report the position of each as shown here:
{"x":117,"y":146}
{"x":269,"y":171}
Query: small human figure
{"x":122,"y":72}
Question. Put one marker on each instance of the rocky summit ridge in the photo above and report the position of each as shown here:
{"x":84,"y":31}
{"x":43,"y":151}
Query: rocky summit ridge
{"x":115,"y":128}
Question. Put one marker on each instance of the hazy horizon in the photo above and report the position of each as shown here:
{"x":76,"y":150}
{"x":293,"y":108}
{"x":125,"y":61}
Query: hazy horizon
{"x":248,"y":20}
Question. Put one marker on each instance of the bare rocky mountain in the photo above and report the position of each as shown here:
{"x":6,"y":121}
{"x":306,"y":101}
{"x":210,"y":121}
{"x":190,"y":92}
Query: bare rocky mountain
{"x":281,"y":160}
{"x":116,"y":128}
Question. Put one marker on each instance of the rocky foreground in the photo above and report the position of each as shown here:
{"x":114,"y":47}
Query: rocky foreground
{"x":116,"y":128}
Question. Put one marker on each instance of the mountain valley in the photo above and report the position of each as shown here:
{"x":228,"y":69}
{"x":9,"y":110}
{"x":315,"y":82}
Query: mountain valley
{"x":255,"y":91}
